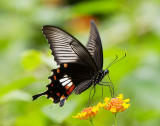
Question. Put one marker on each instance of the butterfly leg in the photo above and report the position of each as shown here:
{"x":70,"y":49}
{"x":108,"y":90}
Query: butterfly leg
{"x":93,"y":93}
{"x":110,"y":85}
{"x":90,"y":98}
{"x":104,"y":84}
{"x":102,"y":94}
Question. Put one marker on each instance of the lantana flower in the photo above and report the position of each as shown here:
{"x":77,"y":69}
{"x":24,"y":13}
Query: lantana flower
{"x":116,"y":104}
{"x":87,"y":113}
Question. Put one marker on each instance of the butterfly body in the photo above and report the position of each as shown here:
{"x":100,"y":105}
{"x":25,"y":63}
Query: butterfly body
{"x":80,"y":66}
{"x":97,"y":78}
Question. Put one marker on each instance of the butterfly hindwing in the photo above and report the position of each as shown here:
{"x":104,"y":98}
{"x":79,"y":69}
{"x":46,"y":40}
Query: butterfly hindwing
{"x":83,"y":86}
{"x":65,"y":80}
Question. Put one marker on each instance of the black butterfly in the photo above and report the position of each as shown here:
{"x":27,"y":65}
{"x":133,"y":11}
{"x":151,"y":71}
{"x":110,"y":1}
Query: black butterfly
{"x":80,"y":66}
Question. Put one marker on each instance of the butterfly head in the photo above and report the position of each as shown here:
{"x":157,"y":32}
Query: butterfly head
{"x":106,"y":72}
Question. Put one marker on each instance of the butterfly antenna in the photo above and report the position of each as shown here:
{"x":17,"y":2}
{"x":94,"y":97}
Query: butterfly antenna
{"x":114,"y":61}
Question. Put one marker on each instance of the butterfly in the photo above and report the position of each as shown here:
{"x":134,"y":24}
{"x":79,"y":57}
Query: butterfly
{"x":80,"y":66}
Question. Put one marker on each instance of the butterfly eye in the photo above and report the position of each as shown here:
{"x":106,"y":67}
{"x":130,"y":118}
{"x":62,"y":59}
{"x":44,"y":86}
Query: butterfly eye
{"x":106,"y":72}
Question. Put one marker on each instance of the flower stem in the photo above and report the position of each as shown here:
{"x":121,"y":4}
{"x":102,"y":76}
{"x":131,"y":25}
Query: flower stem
{"x":92,"y":122}
{"x":115,"y":119}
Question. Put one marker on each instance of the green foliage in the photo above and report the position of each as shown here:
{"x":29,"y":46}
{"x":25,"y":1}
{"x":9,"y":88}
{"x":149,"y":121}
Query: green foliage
{"x":60,"y":113}
{"x":31,"y":59}
{"x":125,"y":26}
{"x":96,"y":7}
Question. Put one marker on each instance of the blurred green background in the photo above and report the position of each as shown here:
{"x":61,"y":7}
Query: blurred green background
{"x":131,"y":26}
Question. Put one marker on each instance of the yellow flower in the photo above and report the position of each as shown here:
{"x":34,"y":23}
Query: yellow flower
{"x":87,"y":113}
{"x":106,"y":99}
{"x":99,"y":105}
{"x":120,"y":97}
{"x":125,"y":105}
{"x":116,"y":104}
{"x":126,"y":100}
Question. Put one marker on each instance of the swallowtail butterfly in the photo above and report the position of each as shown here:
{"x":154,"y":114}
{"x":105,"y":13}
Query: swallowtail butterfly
{"x":80,"y":66}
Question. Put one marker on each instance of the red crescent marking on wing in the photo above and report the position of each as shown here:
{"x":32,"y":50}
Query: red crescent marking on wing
{"x":66,"y":87}
{"x":70,"y":89}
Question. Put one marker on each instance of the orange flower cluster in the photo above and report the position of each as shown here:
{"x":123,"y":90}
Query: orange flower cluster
{"x":87,"y":113}
{"x":116,"y":104}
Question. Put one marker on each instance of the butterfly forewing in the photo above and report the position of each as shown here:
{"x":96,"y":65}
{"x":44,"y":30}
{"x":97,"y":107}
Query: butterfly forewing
{"x":94,"y":46}
{"x":59,"y":42}
{"x":84,"y":55}
{"x":66,"y":49}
